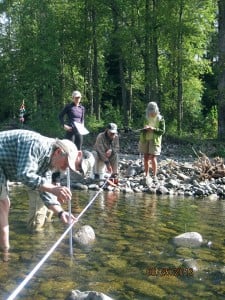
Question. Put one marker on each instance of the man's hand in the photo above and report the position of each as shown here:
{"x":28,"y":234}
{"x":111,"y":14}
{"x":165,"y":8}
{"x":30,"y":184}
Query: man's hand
{"x":62,"y":193}
{"x":65,"y":217}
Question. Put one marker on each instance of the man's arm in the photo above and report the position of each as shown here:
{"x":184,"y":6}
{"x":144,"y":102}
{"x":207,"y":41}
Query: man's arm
{"x":62,"y":215}
{"x":62,"y":193}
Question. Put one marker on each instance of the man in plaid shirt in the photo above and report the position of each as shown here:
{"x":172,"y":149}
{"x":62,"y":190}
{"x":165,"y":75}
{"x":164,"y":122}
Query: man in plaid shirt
{"x":30,"y":158}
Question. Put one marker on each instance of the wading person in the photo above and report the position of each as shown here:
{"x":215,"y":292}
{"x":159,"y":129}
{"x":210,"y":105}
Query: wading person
{"x":75,"y":115}
{"x":39,"y":214}
{"x":151,"y":138}
{"x":29,"y":157}
{"x":106,"y":152}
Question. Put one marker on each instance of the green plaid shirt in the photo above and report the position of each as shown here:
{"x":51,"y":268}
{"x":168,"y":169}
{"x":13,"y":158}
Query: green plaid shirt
{"x":25,"y":156}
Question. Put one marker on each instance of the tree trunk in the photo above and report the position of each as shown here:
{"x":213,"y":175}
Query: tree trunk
{"x":147,"y":51}
{"x":151,"y":53}
{"x":221,"y":75}
{"x":179,"y":73}
{"x":95,"y":93}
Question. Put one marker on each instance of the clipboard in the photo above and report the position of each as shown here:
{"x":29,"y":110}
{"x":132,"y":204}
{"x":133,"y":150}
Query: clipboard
{"x":81,"y":128}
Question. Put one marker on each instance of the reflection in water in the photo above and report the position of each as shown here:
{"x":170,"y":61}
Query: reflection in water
{"x":133,"y":256}
{"x":150,"y":203}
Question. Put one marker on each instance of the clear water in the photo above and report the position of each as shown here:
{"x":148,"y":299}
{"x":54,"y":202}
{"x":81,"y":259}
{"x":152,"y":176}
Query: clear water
{"x":133,"y":256}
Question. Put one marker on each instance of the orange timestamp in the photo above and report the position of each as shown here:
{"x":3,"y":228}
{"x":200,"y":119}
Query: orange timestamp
{"x":177,"y":272}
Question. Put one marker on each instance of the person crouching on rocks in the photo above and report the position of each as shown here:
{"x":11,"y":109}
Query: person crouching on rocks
{"x":106,"y":150}
{"x":151,"y":138}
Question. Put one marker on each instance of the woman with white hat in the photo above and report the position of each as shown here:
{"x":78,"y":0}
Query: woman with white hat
{"x":75,"y":114}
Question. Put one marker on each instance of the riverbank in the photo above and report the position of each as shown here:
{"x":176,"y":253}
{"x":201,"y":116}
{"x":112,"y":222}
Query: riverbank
{"x":185,"y":168}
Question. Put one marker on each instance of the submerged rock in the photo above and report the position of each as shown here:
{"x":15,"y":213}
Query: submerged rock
{"x":188,"y":239}
{"x":88,"y":295}
{"x":85,"y":235}
{"x":191,"y":263}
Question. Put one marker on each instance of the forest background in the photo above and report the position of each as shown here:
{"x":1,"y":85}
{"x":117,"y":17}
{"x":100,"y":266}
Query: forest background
{"x":120,"y":54}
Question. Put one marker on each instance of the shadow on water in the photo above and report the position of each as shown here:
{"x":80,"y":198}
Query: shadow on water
{"x":133,"y":256}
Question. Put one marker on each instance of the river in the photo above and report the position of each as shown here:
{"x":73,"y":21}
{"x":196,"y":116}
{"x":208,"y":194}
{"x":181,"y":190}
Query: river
{"x":133,"y":256}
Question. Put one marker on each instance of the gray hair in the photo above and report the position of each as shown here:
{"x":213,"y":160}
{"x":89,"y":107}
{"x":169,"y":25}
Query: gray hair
{"x":152,"y":108}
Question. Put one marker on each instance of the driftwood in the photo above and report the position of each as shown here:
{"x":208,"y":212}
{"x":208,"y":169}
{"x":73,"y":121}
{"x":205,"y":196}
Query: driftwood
{"x":209,"y":168}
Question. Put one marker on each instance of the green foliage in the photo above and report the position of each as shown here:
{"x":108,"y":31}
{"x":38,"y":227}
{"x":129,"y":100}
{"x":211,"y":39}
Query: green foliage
{"x":210,"y":124}
{"x":220,"y":150}
{"x":92,"y":124}
{"x":111,"y":114}
{"x":110,"y":50}
{"x":47,"y":124}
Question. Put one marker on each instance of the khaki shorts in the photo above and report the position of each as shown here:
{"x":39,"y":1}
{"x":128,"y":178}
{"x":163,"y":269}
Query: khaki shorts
{"x":149,"y":148}
{"x":39,"y":214}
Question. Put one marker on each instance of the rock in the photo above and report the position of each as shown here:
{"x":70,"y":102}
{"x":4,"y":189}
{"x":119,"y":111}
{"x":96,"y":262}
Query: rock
{"x":213,"y":197}
{"x":85,"y":235}
{"x":191,"y":263}
{"x":131,"y":171}
{"x":172,"y":183}
{"x":94,"y":186}
{"x":162,"y":190}
{"x":183,"y":177}
{"x":188,"y":239}
{"x":79,"y":186}
{"x":88,"y":295}
{"x":127,"y":190}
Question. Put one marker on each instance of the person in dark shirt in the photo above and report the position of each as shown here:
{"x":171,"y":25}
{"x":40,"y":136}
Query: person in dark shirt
{"x":75,"y":114}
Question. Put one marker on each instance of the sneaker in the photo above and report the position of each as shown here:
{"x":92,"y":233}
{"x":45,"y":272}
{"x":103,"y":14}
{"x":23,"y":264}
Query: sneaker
{"x":155,"y":179}
{"x":148,"y":180}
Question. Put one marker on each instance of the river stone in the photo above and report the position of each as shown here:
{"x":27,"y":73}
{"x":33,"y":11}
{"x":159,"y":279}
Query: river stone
{"x":85,"y":235}
{"x":188,"y":239}
{"x":191,"y":263}
{"x":79,"y":186}
{"x":88,"y":295}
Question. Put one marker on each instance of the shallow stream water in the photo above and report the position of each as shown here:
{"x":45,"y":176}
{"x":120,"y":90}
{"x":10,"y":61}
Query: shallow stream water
{"x":133,"y":256}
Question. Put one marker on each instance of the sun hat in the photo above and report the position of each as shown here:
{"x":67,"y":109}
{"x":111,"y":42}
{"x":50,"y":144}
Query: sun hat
{"x":112,"y":127}
{"x":87,"y":162}
{"x":76,"y":94}
{"x":70,"y":149}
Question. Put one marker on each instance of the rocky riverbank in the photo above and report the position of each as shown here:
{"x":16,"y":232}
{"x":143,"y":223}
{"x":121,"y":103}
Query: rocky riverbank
{"x":184,"y":170}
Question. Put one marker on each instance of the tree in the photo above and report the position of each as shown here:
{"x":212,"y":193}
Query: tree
{"x":221,"y":75}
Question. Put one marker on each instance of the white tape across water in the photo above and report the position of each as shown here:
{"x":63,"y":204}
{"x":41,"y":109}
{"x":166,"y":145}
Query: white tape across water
{"x":69,"y":229}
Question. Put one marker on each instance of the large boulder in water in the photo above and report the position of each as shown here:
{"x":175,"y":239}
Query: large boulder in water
{"x":85,"y":235}
{"x":88,"y":295}
{"x":188,"y":239}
